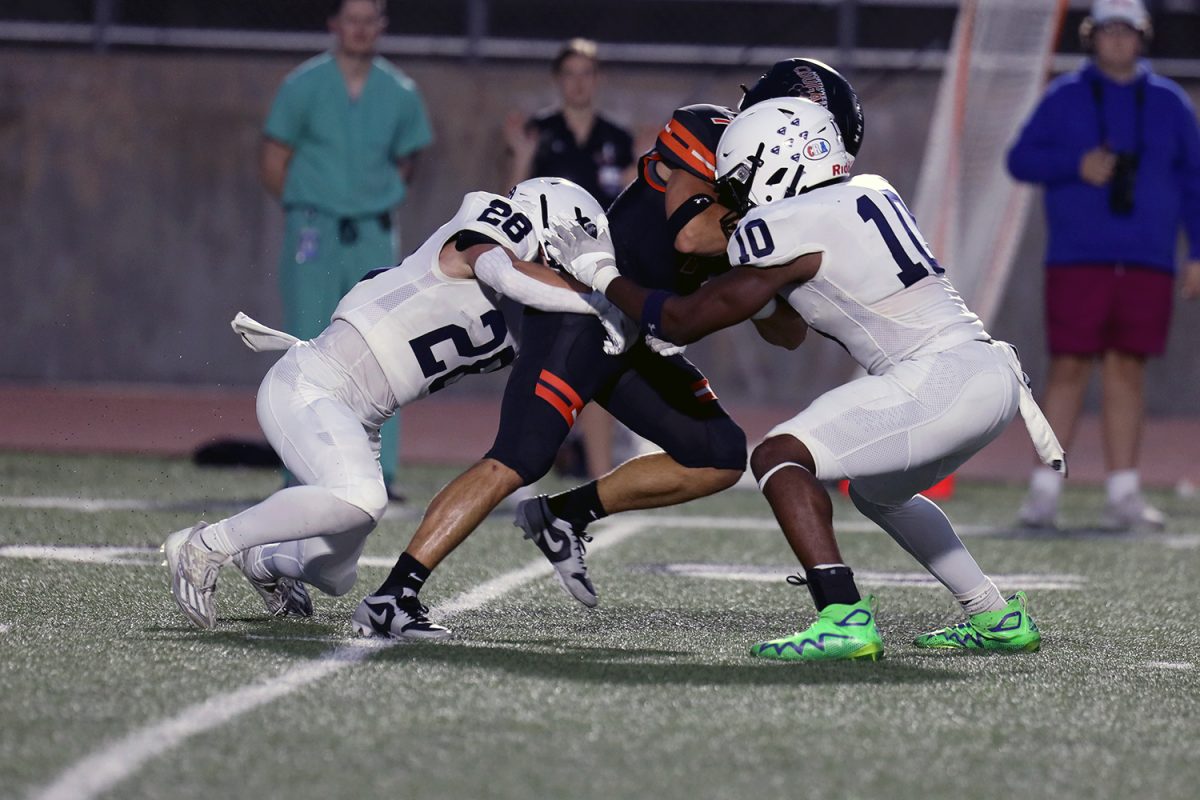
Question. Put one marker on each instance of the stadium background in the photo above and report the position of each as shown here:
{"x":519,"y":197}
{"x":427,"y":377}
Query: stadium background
{"x":135,"y":226}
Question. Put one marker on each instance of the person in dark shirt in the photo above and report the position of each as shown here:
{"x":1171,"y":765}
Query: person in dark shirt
{"x":574,"y":141}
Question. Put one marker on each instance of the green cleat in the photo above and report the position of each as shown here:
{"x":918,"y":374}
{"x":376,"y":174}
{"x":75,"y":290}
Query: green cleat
{"x":1010,"y":629}
{"x":841,"y":632}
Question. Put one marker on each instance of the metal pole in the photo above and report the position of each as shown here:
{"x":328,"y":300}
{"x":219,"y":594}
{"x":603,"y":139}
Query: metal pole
{"x":477,"y":28}
{"x":847,"y":36}
{"x":104,"y":12}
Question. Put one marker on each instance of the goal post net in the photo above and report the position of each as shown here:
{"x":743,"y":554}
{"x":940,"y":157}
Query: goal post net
{"x":970,"y":210}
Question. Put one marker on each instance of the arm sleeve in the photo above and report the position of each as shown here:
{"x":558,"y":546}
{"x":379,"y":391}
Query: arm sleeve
{"x":1041,"y":154}
{"x":1189,"y":173}
{"x":285,"y":122}
{"x":496,"y":269}
{"x":413,"y":132}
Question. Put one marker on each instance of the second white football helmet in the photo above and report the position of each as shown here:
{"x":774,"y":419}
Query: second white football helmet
{"x":544,"y":199}
{"x":777,"y":149}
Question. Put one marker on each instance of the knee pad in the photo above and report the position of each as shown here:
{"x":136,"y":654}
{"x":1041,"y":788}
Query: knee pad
{"x":530,"y":455}
{"x":721,"y":444}
{"x":369,"y":496}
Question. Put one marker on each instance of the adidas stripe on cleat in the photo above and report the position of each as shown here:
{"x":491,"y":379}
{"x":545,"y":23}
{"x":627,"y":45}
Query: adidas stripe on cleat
{"x":193,"y":572}
{"x":1009,"y":629}
{"x":283,"y":597}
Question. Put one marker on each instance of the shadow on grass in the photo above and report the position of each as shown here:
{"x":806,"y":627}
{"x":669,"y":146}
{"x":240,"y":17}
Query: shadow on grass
{"x":641,"y":667}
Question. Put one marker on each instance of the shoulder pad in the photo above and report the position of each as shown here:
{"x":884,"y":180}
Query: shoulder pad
{"x":498,"y":219}
{"x":777,"y":233}
{"x":689,"y":140}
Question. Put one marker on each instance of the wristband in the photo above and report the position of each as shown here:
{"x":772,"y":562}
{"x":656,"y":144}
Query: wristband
{"x":604,"y":275}
{"x":652,"y":311}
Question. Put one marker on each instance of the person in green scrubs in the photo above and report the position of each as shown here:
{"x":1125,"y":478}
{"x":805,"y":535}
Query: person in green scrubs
{"x":339,"y":146}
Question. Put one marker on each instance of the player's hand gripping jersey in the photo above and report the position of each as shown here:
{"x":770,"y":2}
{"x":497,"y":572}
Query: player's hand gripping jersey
{"x":879,"y":292}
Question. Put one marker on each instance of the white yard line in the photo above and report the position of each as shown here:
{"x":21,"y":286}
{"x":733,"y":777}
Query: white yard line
{"x":117,"y":761}
{"x":1180,"y":665}
{"x":4,"y":628}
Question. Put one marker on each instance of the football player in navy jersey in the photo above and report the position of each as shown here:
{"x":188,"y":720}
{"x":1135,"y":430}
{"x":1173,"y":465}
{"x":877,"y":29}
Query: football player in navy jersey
{"x":667,"y":231}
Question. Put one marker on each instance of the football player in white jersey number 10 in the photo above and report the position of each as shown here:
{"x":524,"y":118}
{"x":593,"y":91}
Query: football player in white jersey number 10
{"x":845,"y":254}
{"x":399,"y":334}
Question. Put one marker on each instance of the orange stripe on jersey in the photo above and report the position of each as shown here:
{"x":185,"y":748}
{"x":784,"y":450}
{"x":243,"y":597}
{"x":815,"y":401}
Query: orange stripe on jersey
{"x":557,"y":403}
{"x":562,"y":386}
{"x":703,"y":391}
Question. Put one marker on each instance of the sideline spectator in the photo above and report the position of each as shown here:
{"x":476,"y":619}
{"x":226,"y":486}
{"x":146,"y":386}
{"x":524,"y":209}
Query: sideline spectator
{"x":1117,"y":149}
{"x":576,"y":142}
{"x":339,"y":147}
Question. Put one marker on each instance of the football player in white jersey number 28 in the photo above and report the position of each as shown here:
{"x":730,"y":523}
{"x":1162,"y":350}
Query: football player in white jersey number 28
{"x":846,"y":255}
{"x":398,"y":335}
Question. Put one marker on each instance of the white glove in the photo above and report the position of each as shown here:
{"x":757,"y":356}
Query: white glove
{"x":589,"y":259}
{"x":663,"y":347}
{"x":620,"y":331}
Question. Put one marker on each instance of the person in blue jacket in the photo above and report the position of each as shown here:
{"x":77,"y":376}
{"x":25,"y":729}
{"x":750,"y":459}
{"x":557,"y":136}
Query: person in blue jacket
{"x":1117,"y":150}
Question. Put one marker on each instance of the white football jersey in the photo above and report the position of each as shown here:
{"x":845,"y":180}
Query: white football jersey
{"x":879,"y":291}
{"x":426,"y":329}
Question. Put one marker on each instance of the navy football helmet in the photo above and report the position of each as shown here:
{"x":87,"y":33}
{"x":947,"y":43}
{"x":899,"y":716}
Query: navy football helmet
{"x":817,"y":81}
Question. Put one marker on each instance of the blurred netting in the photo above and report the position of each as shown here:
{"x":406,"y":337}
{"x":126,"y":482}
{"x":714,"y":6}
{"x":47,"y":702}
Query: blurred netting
{"x":971,"y":211}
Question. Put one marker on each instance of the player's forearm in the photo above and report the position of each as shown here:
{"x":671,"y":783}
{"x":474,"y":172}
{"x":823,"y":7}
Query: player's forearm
{"x":685,"y":319}
{"x":531,"y":284}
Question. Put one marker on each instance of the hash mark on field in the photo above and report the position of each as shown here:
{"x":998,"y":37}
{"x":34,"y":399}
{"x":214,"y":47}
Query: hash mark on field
{"x":5,"y":628}
{"x":102,"y":770}
{"x":1181,"y":665}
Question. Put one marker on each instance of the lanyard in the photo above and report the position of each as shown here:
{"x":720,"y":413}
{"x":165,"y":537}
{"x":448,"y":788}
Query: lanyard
{"x":1139,"y":102}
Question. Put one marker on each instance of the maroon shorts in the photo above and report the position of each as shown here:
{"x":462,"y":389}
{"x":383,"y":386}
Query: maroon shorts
{"x":1093,"y":308}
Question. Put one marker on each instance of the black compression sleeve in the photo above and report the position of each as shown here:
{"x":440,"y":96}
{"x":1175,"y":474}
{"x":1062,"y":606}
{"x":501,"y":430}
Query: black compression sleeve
{"x":688,"y":210}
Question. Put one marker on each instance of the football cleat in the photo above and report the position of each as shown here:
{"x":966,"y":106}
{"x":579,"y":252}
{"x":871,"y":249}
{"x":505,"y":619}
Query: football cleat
{"x":282,"y":596}
{"x":842,"y":631}
{"x":193,"y":569}
{"x":395,"y":618}
{"x":561,"y":544}
{"x":1009,"y":629}
{"x":1133,"y":513}
{"x":1039,"y":511}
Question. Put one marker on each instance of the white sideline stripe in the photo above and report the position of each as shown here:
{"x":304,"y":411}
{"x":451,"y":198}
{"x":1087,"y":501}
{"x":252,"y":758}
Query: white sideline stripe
{"x":90,"y":504}
{"x":776,"y":574}
{"x":81,"y":554}
{"x":105,"y":768}
{"x":1170,"y":664}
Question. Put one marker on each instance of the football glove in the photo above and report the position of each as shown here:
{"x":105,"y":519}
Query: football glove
{"x":589,"y":259}
{"x":620,"y":332}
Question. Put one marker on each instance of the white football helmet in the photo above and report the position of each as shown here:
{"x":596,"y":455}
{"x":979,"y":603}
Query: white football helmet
{"x":776,"y":149}
{"x":544,"y":199}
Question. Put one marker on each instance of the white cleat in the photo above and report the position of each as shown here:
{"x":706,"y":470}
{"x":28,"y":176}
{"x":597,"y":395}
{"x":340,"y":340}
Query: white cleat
{"x":193,"y":569}
{"x":1039,"y":511}
{"x":1133,"y":513}
{"x":283,"y":597}
{"x":561,"y":544}
{"x":395,"y":617}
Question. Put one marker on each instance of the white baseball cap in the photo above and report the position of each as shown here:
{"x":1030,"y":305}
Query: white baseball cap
{"x":1130,"y":12}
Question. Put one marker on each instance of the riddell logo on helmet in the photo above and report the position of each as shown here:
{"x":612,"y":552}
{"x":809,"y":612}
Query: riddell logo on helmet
{"x":840,"y":169}
{"x":816,"y":149}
